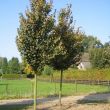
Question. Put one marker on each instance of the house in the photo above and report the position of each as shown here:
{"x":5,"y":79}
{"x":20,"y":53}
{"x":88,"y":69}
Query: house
{"x":85,"y":62}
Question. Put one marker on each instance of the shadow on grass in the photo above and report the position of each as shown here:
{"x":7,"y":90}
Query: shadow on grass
{"x":26,"y":104}
{"x":20,"y":107}
{"x":95,"y":98}
{"x":14,"y":107}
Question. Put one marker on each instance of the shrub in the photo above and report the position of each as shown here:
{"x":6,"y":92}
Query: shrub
{"x":30,"y":75}
{"x":48,"y":70}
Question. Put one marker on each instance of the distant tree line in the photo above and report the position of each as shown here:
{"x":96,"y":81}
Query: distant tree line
{"x":9,"y":67}
{"x":99,"y":56}
{"x":99,"y":53}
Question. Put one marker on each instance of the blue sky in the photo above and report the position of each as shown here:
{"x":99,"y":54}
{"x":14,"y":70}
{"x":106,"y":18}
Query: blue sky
{"x":92,"y":15}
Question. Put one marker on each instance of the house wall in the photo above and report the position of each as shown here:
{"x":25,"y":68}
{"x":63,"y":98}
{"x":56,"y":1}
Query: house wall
{"x":84,"y":66}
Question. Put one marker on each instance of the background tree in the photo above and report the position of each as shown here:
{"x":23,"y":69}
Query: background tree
{"x":13,"y":65}
{"x":68,"y":44}
{"x":34,"y":36}
{"x":48,"y":71}
{"x":107,"y":44}
{"x":1,"y":72}
{"x":90,"y":42}
{"x":4,"y":65}
{"x":0,"y":62}
{"x":106,"y":58}
{"x":100,"y":57}
{"x":96,"y":56}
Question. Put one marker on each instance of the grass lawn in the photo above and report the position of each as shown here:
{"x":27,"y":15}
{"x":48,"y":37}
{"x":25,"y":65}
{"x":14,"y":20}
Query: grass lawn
{"x":24,"y":89}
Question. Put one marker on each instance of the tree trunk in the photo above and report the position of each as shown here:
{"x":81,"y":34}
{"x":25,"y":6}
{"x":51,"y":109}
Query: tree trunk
{"x":60,"y":92}
{"x":35,"y":92}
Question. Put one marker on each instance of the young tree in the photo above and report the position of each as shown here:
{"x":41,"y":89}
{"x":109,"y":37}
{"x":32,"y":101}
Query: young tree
{"x":68,"y":44}
{"x":34,"y":36}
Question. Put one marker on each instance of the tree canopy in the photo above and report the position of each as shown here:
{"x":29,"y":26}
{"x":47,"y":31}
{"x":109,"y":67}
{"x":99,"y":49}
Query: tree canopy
{"x":34,"y":33}
{"x":68,"y":44}
{"x":68,"y":41}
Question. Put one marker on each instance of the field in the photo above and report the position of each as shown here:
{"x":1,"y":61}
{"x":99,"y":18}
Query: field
{"x":10,"y":89}
{"x":13,"y":89}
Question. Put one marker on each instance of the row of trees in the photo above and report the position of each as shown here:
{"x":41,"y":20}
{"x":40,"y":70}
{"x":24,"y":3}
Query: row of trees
{"x":44,"y":40}
{"x":11,"y":66}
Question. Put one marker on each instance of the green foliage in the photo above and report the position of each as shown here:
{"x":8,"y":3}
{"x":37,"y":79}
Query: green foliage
{"x":34,"y":34}
{"x":14,"y":65}
{"x":0,"y":74}
{"x":35,"y":37}
{"x":30,"y":75}
{"x":0,"y":62}
{"x":68,"y":41}
{"x":4,"y":64}
{"x":48,"y":70}
{"x":107,"y":44}
{"x":90,"y":42}
{"x":68,"y":44}
{"x":100,"y":57}
{"x":11,"y":66}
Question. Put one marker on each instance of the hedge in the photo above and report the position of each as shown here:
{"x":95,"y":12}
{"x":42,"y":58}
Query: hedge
{"x":14,"y":76}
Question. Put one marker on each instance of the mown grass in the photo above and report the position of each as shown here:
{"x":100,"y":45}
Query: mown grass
{"x":24,"y":89}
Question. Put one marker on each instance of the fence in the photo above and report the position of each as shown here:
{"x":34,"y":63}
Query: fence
{"x":87,"y":82}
